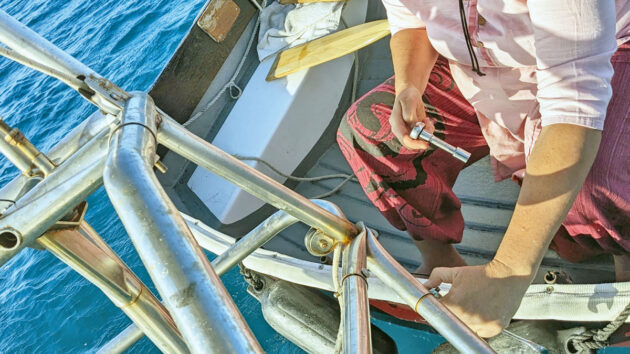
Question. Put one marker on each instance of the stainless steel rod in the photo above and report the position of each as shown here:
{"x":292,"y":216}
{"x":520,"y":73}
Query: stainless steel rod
{"x":26,"y":42}
{"x":61,"y":76}
{"x":175,"y":137}
{"x":414,"y":294}
{"x":52,"y":198}
{"x":73,"y":142}
{"x":123,"y":341}
{"x":22,"y":153}
{"x":29,"y":48}
{"x":83,"y":250}
{"x":201,"y":307}
{"x":250,"y":242}
{"x":357,"y":337}
{"x":261,"y":235}
{"x":232,"y":256}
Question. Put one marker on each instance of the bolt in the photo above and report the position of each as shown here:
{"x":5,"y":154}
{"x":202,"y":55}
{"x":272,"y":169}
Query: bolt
{"x":323,"y":244}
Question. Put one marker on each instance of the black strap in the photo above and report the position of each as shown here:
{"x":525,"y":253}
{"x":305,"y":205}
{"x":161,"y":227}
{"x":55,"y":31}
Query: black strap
{"x":471,"y":52}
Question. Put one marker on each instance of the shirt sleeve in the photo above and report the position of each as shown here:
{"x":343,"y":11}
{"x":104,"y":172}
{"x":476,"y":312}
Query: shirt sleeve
{"x":400,"y":17}
{"x":574,"y":41}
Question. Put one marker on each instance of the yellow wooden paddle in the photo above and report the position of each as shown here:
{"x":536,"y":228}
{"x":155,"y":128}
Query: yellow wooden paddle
{"x":327,"y":48}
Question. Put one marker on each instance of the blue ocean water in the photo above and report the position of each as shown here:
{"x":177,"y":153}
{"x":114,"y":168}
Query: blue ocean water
{"x":45,"y":307}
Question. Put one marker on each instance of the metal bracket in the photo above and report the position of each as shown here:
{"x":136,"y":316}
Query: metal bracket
{"x":73,"y":219}
{"x":106,"y":95}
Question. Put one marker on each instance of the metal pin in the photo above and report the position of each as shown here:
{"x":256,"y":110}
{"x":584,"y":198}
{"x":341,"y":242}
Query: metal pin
{"x":418,"y":132}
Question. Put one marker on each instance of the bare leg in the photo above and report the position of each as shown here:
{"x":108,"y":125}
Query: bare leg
{"x":437,"y":254}
{"x":622,"y":268}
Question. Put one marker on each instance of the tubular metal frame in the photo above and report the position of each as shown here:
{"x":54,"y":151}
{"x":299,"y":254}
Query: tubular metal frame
{"x":53,"y":197}
{"x":201,"y":308}
{"x":357,"y":337}
{"x":84,"y":251}
{"x":260,"y":235}
{"x":181,"y":141}
{"x":385,"y":267}
{"x":254,"y":239}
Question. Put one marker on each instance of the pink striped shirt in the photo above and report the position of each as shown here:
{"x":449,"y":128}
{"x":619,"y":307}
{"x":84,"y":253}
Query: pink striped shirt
{"x":546,"y":62}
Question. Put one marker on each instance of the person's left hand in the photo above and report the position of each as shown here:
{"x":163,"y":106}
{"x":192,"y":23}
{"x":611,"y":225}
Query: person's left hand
{"x":485,"y":297}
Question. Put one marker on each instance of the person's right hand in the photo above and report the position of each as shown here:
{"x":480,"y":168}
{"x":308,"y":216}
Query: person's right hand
{"x":407,"y":111}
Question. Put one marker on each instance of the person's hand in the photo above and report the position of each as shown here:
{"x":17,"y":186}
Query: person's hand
{"x":407,"y":111}
{"x":484,"y":297}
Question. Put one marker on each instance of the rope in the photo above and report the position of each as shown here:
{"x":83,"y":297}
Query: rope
{"x":336,"y":189}
{"x":231,"y":87}
{"x":598,"y":338}
{"x":347,"y":177}
{"x":291,"y":177}
{"x":256,"y":4}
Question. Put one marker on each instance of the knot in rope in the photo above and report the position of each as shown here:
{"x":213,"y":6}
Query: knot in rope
{"x":251,"y":278}
{"x":598,"y":338}
{"x":235,"y":90}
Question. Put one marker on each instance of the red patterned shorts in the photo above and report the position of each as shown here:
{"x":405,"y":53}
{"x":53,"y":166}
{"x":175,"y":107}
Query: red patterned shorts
{"x":413,"y":190}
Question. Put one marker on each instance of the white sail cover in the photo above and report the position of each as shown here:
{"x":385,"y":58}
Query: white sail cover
{"x":564,"y":302}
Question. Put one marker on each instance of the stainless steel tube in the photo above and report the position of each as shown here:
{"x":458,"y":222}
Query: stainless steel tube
{"x":61,"y":76}
{"x":52,"y":198}
{"x":261,"y":235}
{"x":25,"y":41}
{"x":357,"y":337}
{"x":73,"y":142}
{"x":414,"y":294}
{"x":29,"y":48}
{"x":11,"y":152}
{"x":175,"y":137}
{"x":85,"y":252}
{"x":123,"y":341}
{"x":250,"y":242}
{"x":232,"y":256}
{"x":22,"y":153}
{"x":201,"y":307}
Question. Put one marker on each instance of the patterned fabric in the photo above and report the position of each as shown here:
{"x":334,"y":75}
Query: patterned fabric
{"x":546,"y":62}
{"x":413,"y":190}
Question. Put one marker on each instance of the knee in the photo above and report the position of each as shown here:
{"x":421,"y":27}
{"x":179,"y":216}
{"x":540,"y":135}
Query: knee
{"x":368,"y":118}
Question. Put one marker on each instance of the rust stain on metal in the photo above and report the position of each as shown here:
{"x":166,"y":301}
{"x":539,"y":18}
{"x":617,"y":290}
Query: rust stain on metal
{"x":218,"y":18}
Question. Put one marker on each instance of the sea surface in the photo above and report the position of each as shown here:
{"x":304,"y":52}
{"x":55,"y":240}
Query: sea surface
{"x":45,"y":307}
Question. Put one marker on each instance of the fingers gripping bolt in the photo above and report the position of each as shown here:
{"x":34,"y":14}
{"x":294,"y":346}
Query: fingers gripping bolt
{"x":418,"y":132}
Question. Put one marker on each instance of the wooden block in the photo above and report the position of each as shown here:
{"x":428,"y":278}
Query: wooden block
{"x":218,"y":18}
{"x":327,"y":48}
{"x":194,"y":65}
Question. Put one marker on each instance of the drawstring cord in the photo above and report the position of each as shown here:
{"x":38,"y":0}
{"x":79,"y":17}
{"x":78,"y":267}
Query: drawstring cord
{"x":471,"y":52}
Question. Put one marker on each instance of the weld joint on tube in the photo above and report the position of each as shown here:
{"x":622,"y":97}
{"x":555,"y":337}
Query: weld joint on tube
{"x":133,"y":300}
{"x":122,"y":125}
{"x":346,"y":276}
{"x":415,"y":308}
